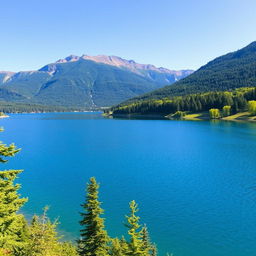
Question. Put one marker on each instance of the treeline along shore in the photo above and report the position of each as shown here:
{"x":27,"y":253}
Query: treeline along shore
{"x":238,"y":104}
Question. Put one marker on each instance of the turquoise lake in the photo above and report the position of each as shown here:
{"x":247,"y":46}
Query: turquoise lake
{"x":195,"y":182}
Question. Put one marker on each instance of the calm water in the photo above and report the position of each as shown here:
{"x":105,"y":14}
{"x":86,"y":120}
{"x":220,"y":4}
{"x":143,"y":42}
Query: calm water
{"x":195,"y":182}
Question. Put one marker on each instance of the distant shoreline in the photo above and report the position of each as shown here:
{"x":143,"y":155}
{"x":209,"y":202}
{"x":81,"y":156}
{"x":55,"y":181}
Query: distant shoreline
{"x":5,"y":116}
{"x":45,"y":112}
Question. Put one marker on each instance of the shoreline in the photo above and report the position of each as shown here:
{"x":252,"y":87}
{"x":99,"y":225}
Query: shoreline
{"x":137,"y":116}
{"x":238,"y":117}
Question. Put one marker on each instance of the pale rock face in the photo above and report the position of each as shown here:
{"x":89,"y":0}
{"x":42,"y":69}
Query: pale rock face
{"x":129,"y":64}
{"x":123,"y":63}
{"x":108,"y":60}
{"x":70,"y":58}
{"x":5,"y":76}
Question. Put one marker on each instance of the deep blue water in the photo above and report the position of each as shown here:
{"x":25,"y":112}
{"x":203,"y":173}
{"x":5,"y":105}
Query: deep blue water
{"x":195,"y":182}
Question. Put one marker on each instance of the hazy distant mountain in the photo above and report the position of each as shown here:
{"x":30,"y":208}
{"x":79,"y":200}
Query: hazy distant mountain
{"x":86,"y":81}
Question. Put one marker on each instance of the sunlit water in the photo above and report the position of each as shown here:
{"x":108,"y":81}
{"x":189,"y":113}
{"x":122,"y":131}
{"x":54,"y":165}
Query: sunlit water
{"x":195,"y":182}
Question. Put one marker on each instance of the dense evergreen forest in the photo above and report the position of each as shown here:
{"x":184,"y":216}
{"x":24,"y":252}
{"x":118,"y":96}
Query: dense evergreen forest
{"x":39,"y":237}
{"x":12,"y":107}
{"x":237,"y":100}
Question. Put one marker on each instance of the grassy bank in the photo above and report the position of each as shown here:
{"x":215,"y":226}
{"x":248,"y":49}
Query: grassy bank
{"x":202,"y":116}
{"x":242,"y":116}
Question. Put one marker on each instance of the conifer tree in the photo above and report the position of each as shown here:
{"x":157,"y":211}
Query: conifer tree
{"x":145,"y":238}
{"x":118,"y":247}
{"x":154,"y":250}
{"x":68,"y":249}
{"x":44,"y":239}
{"x":93,"y":237}
{"x":147,"y":245}
{"x":13,"y":227}
{"x":135,"y":245}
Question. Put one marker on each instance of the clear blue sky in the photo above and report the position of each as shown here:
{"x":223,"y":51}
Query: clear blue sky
{"x":176,"y":34}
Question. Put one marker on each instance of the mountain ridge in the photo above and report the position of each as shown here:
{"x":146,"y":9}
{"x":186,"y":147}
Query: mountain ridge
{"x":123,"y":63}
{"x":86,"y":81}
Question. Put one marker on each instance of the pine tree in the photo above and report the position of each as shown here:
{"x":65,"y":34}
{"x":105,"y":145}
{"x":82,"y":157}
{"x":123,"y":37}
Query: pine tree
{"x":118,"y":247}
{"x":44,"y":239}
{"x":135,"y":245}
{"x":13,"y":227}
{"x":147,"y":245}
{"x":93,"y":237}
{"x":68,"y":249}
{"x":145,"y":238}
{"x":154,"y":250}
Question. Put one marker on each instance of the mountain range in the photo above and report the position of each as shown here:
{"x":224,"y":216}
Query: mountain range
{"x":86,"y":81}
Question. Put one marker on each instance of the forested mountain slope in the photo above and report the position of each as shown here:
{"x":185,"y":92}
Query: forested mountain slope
{"x":230,"y":71}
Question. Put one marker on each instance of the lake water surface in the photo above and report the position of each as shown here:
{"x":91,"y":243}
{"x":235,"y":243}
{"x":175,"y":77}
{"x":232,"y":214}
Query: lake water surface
{"x":195,"y":182}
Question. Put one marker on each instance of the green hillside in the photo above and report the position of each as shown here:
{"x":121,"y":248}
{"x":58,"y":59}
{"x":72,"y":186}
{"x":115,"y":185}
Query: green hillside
{"x":233,"y":70}
{"x":89,"y":84}
{"x":26,"y":84}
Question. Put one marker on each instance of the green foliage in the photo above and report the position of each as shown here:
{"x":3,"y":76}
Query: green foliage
{"x":136,"y":243}
{"x":252,"y":107}
{"x":14,"y":107}
{"x":44,"y":239}
{"x":147,"y":245}
{"x":118,"y":247}
{"x":226,"y":111}
{"x":194,"y":103}
{"x":68,"y":249}
{"x":178,"y":115}
{"x":7,"y":151}
{"x":13,"y":227}
{"x":93,"y":237}
{"x":214,"y":113}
